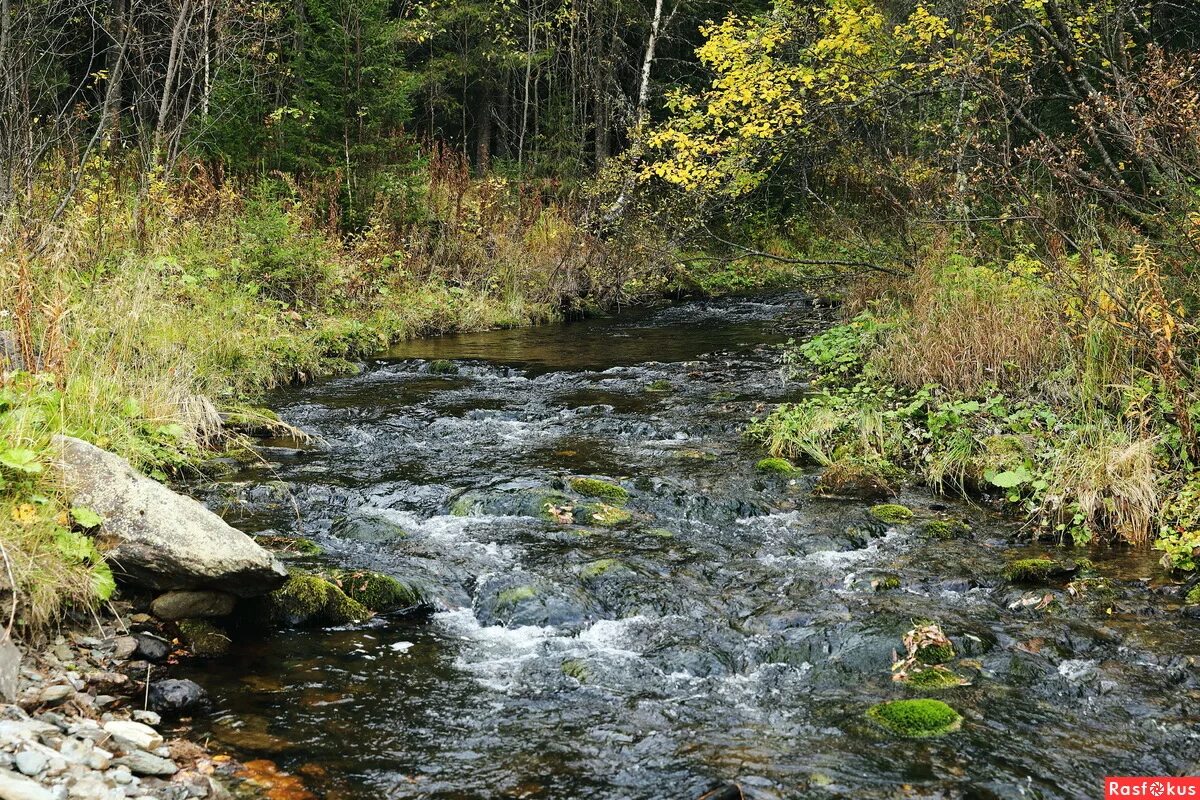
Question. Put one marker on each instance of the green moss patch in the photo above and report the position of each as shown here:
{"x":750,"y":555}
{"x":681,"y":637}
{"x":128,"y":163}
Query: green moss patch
{"x":1038,"y":570}
{"x":443,"y":367}
{"x":886,"y":583}
{"x":933,"y":678}
{"x":915,"y":718}
{"x":510,"y":597}
{"x":375,"y":591}
{"x":604,"y":515}
{"x":203,"y":639}
{"x":574,"y":668}
{"x":946,"y":529}
{"x":597,"y":568}
{"x":1193,"y":596}
{"x":593,"y":487}
{"x":660,"y":386}
{"x":312,"y":600}
{"x":891,"y":513}
{"x":775,"y":466}
{"x":935,"y":653}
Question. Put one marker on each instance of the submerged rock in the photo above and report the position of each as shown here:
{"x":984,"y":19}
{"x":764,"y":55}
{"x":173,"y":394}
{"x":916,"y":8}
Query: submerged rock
{"x":156,"y":538}
{"x":853,"y":480}
{"x":915,"y":718}
{"x":174,"y":696}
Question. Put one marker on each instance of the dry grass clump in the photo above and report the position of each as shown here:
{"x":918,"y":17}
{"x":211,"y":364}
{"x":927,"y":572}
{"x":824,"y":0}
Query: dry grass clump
{"x":967,"y":326}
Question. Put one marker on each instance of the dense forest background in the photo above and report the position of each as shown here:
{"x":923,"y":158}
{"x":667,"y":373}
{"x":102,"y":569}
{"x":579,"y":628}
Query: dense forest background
{"x":203,"y":198}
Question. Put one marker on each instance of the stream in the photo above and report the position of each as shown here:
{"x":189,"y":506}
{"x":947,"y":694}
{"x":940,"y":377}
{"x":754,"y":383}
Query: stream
{"x":730,"y":629}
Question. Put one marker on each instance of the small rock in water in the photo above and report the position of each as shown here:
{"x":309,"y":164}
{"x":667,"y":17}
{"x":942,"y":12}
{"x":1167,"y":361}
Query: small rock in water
{"x":140,"y":762}
{"x":174,"y":696}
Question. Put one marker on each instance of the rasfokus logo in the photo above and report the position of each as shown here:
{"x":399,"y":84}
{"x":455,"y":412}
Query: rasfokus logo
{"x":1151,"y":787}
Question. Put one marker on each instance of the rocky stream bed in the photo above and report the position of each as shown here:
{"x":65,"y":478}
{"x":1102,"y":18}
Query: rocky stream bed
{"x":704,"y":629}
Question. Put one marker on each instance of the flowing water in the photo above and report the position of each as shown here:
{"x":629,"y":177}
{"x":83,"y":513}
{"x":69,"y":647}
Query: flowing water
{"x":729,"y":631}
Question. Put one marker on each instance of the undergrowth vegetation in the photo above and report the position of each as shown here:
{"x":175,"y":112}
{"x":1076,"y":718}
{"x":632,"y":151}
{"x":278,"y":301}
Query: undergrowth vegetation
{"x":972,"y":376}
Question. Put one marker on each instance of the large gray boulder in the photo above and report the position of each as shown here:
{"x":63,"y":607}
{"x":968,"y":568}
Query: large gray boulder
{"x":156,"y":538}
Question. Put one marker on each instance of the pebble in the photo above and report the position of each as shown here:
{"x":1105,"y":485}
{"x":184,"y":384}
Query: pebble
{"x":124,"y":647}
{"x":146,"y":717}
{"x":133,"y":735}
{"x":53,"y":695}
{"x":18,"y":787}
{"x":30,"y":762}
{"x":140,"y":762}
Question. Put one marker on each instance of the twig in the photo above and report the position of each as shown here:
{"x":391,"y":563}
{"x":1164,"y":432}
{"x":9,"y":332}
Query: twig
{"x":12,"y":582}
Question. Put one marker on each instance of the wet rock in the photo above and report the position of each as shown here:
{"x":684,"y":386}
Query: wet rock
{"x":146,"y":717}
{"x":192,"y":605}
{"x":163,"y":540}
{"x":312,"y":600}
{"x":174,"y":696}
{"x":152,"y":648}
{"x":139,"y":762}
{"x":133,"y":735}
{"x":1038,"y":570}
{"x":376,"y":591}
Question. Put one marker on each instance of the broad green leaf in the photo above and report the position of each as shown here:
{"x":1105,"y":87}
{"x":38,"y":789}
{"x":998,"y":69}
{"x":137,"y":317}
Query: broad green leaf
{"x":1009,"y":478}
{"x":21,"y":460}
{"x":86,"y":518}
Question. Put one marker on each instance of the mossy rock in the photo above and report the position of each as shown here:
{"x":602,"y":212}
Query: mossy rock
{"x":1193,"y":596}
{"x":604,"y":515}
{"x":891,"y":513}
{"x":575,"y":668}
{"x":1038,"y":570}
{"x":515,"y":595}
{"x":289,"y":545}
{"x":660,"y":386}
{"x":443,"y":367}
{"x":775,"y":466}
{"x":661,"y":533}
{"x":935,"y":677}
{"x":203,"y":639}
{"x":312,"y":600}
{"x":936,"y":654}
{"x":886,"y":583}
{"x":377,"y":592}
{"x":597,"y":568}
{"x":593,"y":487}
{"x":851,"y":479}
{"x":946,"y":529}
{"x":915,"y":719}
